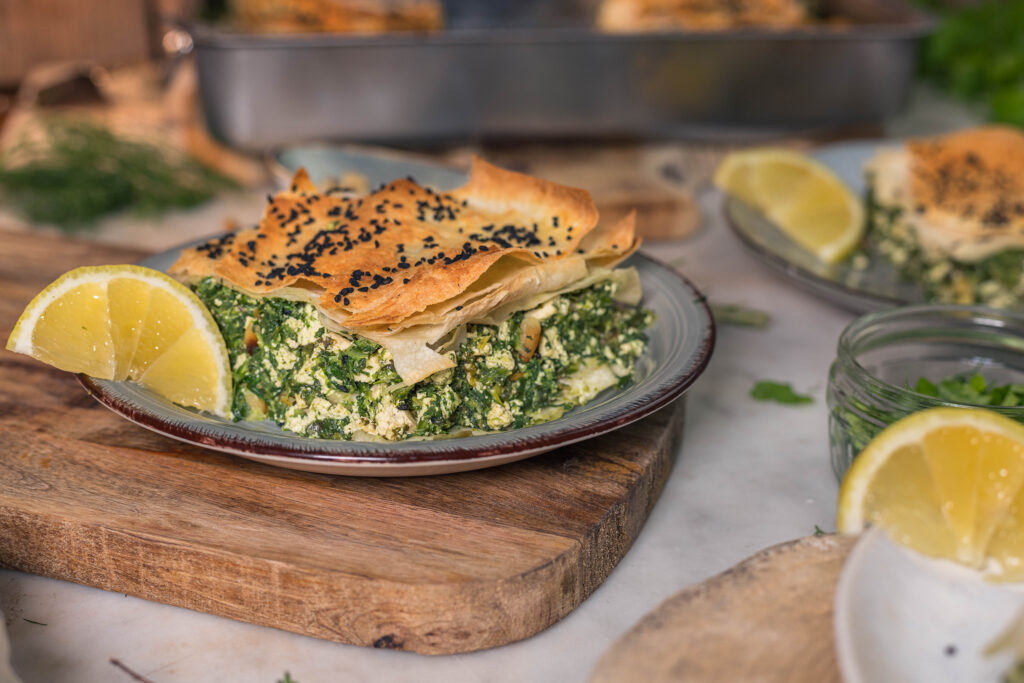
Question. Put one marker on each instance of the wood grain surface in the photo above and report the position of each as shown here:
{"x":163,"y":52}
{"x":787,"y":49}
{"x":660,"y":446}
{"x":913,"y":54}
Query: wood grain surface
{"x":436,"y":564}
{"x":767,"y":620}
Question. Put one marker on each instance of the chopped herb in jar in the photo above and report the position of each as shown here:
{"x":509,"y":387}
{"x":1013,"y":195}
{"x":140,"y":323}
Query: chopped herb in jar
{"x":863,"y":422}
{"x":973,"y":390}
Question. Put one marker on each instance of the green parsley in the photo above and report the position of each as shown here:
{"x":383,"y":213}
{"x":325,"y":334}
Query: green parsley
{"x":975,"y":53}
{"x":287,"y":678}
{"x":973,"y":390}
{"x":818,"y":531}
{"x":863,"y":422}
{"x":779,"y":392}
{"x":735,"y":314}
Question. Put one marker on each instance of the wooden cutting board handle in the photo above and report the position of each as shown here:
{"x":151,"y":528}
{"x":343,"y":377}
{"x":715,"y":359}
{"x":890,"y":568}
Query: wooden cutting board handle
{"x":769,"y":618}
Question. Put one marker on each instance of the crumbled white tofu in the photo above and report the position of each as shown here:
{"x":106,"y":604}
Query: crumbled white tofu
{"x":373,"y":364}
{"x":299,"y":416}
{"x":304,"y":375}
{"x":498,"y":416}
{"x":635,"y":347}
{"x":392,"y":423}
{"x":285,"y":358}
{"x":545,"y":310}
{"x":305,"y":329}
{"x":551,"y":345}
{"x":588,"y":382}
{"x":502,"y":359}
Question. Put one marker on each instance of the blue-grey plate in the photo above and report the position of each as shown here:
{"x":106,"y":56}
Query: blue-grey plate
{"x":326,"y":163}
{"x":878,"y":286}
{"x":681,"y":341}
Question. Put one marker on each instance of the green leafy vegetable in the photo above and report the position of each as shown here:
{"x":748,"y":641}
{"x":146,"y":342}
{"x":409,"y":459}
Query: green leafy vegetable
{"x":863,"y":421}
{"x":734,"y":314}
{"x":925,"y":387}
{"x":818,"y":531}
{"x":287,"y":678}
{"x":977,"y":53}
{"x":779,"y":392}
{"x":82,"y":172}
{"x":975,"y":390}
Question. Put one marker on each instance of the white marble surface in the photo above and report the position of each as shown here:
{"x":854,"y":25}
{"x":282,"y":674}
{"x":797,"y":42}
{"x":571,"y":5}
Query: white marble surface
{"x":749,"y":475}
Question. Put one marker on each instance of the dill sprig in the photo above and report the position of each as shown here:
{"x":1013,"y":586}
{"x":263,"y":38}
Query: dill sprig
{"x":82,"y":171}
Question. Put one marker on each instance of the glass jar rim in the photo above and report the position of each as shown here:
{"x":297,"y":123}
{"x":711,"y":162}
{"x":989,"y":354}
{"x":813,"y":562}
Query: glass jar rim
{"x":846,"y":353}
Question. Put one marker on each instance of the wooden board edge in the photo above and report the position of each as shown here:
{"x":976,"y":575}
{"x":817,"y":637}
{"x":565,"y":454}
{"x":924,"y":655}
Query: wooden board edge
{"x":350,"y":609}
{"x":644,"y":653}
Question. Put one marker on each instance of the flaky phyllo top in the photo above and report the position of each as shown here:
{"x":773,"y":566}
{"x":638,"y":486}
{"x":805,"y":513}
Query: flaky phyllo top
{"x":962,"y":193}
{"x":407,"y":266}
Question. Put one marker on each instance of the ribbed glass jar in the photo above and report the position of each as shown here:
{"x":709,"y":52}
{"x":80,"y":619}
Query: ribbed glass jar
{"x":881,"y":355}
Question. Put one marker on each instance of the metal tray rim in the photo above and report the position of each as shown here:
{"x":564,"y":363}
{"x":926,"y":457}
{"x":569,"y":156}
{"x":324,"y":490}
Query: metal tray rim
{"x":210,"y":36}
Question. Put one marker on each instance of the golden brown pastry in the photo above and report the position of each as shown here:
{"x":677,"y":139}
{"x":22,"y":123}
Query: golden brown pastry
{"x":338,"y":16}
{"x":699,"y":15}
{"x":962,"y":195}
{"x":405,"y":265}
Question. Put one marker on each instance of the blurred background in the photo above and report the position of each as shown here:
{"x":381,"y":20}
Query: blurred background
{"x":146,"y":122}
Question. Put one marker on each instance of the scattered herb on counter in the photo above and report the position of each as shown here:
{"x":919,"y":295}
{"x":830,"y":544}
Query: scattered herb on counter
{"x":37,"y":623}
{"x":977,"y":53}
{"x":779,"y":392}
{"x":818,"y":531}
{"x":741,"y":316}
{"x":287,"y":678}
{"x":134,"y":675}
{"x":82,"y":172}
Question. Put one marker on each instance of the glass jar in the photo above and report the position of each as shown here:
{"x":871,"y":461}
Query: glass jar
{"x":882,"y":355}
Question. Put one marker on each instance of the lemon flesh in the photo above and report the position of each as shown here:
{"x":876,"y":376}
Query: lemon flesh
{"x":948,"y":482}
{"x":801,"y":196}
{"x":129,"y":323}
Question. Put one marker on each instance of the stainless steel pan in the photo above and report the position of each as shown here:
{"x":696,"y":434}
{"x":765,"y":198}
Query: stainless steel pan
{"x":564,"y":79}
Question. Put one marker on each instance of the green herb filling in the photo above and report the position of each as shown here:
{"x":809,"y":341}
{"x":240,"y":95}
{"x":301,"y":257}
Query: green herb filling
{"x":289,"y":368}
{"x":996,"y":281}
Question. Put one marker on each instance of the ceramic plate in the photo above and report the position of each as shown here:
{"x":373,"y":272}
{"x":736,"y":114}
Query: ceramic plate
{"x":901,"y":617}
{"x":681,"y":341}
{"x":879,"y":286}
{"x":377,"y":165}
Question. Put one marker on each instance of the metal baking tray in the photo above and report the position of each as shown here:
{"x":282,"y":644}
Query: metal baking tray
{"x":518,"y":69}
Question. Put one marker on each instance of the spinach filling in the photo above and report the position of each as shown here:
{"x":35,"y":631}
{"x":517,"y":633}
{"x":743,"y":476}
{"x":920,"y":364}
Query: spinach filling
{"x":996,"y":281}
{"x":533,"y":367}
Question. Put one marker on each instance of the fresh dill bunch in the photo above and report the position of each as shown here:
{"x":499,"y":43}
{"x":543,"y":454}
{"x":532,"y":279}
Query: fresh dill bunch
{"x":82,"y":171}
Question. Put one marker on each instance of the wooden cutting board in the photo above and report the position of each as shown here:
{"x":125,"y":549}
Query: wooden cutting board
{"x":768,"y":619}
{"x":435,"y":564}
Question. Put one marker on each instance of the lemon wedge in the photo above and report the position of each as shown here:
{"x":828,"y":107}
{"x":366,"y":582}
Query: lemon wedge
{"x":129,"y":322}
{"x":948,"y":482}
{"x":804,"y":198}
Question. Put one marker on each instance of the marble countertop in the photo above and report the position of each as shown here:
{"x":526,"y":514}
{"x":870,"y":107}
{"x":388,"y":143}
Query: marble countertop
{"x":749,"y":475}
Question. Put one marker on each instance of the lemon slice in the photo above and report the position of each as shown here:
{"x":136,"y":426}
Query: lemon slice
{"x":804,"y":198}
{"x":129,"y":322}
{"x":947,"y":482}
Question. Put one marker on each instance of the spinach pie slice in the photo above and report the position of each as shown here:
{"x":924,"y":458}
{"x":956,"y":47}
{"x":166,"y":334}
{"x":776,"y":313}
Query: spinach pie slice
{"x":949,"y":212}
{"x":410,"y":313}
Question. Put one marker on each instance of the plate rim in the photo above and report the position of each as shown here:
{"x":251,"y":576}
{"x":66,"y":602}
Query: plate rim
{"x":832,"y":290}
{"x":800,"y":275}
{"x":380,"y":453}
